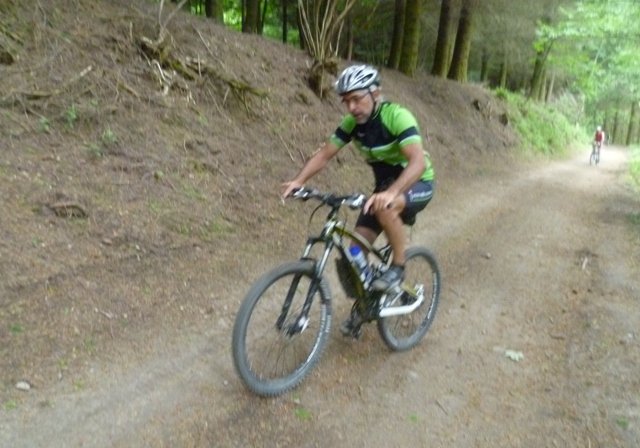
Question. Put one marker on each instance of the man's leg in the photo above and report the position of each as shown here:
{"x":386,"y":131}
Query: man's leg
{"x":393,"y":227}
{"x":369,"y":229}
{"x":367,"y":233}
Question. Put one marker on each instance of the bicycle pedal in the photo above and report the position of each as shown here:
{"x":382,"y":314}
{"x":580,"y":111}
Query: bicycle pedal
{"x":353,"y":333}
{"x":352,"y":327}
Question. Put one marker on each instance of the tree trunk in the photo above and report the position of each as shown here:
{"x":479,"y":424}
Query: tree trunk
{"x":632,"y":119}
{"x":484,"y":65}
{"x":303,"y":43}
{"x":550,"y":86}
{"x":539,"y":69}
{"x":442,"y":54}
{"x":504,"y":69}
{"x":542,"y":91}
{"x":213,"y":9}
{"x":251,"y":16}
{"x":460,"y":61}
{"x":398,"y":33}
{"x":411,"y":40}
{"x":261,"y":19}
{"x":614,"y":132}
{"x":285,"y":23}
{"x":637,"y":135}
{"x":349,"y":35}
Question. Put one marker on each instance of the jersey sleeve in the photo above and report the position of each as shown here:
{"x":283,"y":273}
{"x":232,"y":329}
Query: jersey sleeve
{"x":342,"y":134}
{"x":405,"y":126}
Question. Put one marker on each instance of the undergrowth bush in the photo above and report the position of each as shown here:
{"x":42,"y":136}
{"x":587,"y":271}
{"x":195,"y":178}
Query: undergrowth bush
{"x":542,"y":129}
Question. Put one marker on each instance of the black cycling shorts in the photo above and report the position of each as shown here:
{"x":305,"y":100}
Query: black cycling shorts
{"x":416,"y":197}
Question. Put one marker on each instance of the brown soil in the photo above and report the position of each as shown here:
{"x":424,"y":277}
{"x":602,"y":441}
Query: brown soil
{"x":134,"y":220}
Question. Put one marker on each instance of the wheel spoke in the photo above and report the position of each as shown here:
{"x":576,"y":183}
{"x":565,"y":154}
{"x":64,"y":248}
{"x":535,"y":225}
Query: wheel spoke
{"x":269,"y":356}
{"x":404,"y":331}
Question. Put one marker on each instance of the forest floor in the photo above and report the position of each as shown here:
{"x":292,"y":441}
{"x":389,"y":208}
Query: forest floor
{"x":135,"y":217}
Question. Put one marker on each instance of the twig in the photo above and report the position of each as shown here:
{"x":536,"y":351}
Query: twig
{"x":442,"y":407}
{"x":163,"y":26}
{"x":128,"y":88}
{"x":104,"y":313}
{"x":24,"y":126}
{"x":206,"y":45}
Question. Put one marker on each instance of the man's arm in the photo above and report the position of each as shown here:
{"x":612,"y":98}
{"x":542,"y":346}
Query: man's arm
{"x":410,"y":175}
{"x":315,"y":164}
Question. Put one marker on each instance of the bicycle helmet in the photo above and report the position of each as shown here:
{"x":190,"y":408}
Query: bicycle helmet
{"x":357,"y":77}
{"x":599,"y":128}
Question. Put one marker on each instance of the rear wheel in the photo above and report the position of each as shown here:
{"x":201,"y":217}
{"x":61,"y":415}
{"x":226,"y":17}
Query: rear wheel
{"x":421,"y":274}
{"x":275,"y":344}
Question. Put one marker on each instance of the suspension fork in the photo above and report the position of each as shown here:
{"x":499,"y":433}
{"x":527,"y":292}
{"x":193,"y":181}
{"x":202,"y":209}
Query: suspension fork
{"x":302,"y":320}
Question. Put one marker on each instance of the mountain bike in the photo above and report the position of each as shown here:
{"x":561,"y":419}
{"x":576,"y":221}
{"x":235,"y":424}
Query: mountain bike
{"x":594,"y":159}
{"x":284,"y":321}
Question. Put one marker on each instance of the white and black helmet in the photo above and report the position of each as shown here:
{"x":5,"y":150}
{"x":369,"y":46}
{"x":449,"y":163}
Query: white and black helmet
{"x":357,"y":77}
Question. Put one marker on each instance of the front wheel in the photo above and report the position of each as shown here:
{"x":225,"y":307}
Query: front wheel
{"x":422,"y":274}
{"x":275,"y":342}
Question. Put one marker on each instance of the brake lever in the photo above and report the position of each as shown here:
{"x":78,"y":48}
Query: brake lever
{"x":302,"y":193}
{"x":357,"y":202}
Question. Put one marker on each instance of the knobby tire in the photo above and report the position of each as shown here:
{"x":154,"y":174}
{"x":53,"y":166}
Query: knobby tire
{"x":405,"y":331}
{"x":271,"y":361}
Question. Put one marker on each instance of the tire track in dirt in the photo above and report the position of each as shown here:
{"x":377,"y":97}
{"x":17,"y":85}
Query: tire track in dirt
{"x":512,"y":250}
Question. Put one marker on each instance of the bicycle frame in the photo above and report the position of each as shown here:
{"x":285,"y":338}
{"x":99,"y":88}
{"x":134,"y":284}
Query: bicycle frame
{"x":333,"y":235}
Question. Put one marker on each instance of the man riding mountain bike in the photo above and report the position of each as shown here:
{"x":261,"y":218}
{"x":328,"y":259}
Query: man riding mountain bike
{"x":599,"y":137}
{"x":387,"y":136}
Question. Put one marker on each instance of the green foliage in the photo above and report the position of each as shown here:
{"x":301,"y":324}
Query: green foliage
{"x":303,"y":414}
{"x":10,"y":405}
{"x":108,"y":137}
{"x":44,"y":125}
{"x":542,"y":129}
{"x":634,"y":166}
{"x":95,"y":150}
{"x":233,"y":18}
{"x":597,"y":49}
{"x":622,"y":422}
{"x":71,"y":115}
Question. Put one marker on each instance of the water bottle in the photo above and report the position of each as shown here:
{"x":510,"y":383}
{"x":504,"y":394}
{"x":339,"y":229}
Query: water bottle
{"x":360,"y":262}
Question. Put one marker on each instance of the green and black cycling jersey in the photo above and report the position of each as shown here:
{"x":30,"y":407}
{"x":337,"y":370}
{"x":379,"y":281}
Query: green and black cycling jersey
{"x":381,"y":139}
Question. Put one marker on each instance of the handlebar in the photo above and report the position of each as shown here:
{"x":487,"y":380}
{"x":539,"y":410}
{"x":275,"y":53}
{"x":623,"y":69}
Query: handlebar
{"x":354,"y":201}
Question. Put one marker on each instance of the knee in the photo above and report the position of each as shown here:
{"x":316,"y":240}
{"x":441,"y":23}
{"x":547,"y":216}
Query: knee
{"x":388,"y":216}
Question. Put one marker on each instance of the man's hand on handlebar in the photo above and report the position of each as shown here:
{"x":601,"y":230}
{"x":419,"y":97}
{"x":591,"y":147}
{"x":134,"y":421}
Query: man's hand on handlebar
{"x":289,"y":187}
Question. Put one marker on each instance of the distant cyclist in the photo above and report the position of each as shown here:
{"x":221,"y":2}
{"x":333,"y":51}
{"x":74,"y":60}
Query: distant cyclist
{"x":599,"y":137}
{"x":387,"y":136}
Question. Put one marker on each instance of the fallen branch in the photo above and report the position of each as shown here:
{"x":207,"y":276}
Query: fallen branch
{"x":68,"y":210}
{"x":236,"y":85}
{"x":158,"y":52}
{"x":36,"y":95}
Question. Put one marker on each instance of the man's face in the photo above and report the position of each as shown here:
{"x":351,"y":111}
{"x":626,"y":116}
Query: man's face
{"x":360,"y":104}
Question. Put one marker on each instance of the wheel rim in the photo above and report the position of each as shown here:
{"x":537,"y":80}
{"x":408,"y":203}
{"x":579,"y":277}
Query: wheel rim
{"x":404,"y":331}
{"x":279,"y":358}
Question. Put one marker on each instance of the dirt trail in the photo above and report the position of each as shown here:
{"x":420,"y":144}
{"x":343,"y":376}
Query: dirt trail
{"x":542,"y":262}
